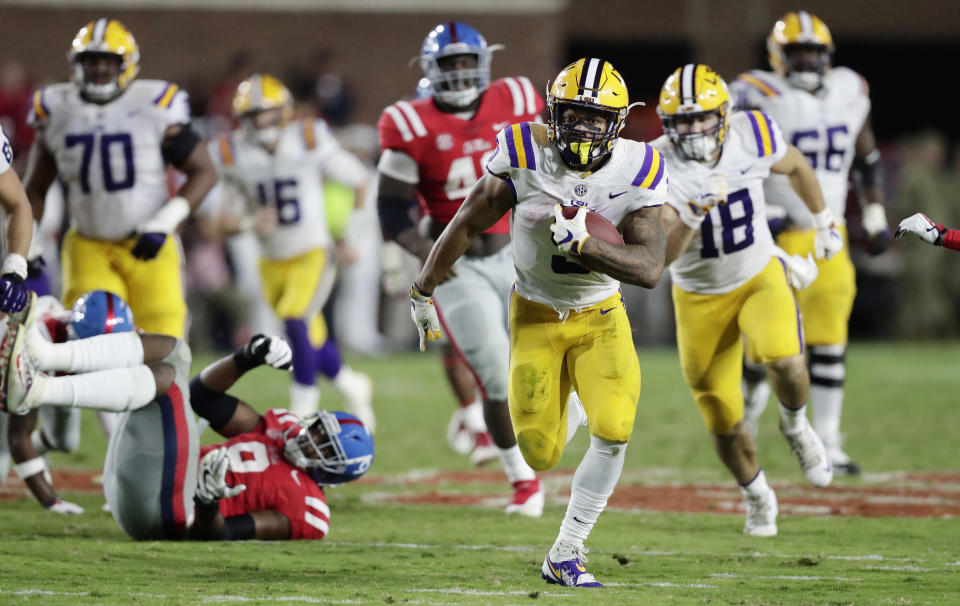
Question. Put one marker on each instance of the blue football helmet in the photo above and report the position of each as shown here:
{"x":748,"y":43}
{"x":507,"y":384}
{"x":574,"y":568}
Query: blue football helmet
{"x":332,"y":447}
{"x":458,"y":87}
{"x":99,"y":312}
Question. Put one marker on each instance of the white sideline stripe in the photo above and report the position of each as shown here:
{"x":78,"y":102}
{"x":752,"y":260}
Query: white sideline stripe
{"x":480,"y":592}
{"x":899,"y":568}
{"x":783,"y":577}
{"x":664,"y":584}
{"x":205,"y":599}
{"x":517,"y":95}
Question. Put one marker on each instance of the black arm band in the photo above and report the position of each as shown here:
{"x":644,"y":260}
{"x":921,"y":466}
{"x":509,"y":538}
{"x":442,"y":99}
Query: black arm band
{"x":177,"y":148}
{"x":214,"y":406}
{"x":239,"y":528}
{"x":868,"y":171}
{"x":394,"y":214}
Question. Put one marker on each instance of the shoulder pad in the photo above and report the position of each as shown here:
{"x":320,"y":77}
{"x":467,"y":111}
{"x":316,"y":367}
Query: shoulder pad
{"x":519,"y":140}
{"x":760,"y":82}
{"x":166,"y":91}
{"x":761,"y":126}
{"x":226,"y":149}
{"x":406,"y":120}
{"x":523,"y":95}
{"x":651,"y":170}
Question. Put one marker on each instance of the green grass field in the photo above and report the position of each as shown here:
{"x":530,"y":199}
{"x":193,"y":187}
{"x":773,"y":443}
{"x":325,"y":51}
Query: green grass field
{"x":901,"y":415}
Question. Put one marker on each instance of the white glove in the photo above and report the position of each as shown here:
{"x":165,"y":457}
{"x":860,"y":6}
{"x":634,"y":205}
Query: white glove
{"x":425,"y":316}
{"x":64,"y":507}
{"x":279,"y":354}
{"x":801,"y":272}
{"x":713,"y":192}
{"x":874,"y":219}
{"x":922,"y":227}
{"x":828,"y":240}
{"x":212,"y":478}
{"x":569,"y":234}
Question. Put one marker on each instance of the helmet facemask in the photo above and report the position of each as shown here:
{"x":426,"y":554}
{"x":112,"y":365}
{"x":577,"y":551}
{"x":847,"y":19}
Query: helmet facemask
{"x":582,"y":141}
{"x":702,"y":145}
{"x":805,"y":65}
{"x":460,"y":86}
{"x":316,"y":445}
{"x":92,"y":71}
{"x":265,"y":127}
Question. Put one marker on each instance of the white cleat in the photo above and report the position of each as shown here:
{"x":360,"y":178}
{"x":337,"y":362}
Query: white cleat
{"x":484,"y":450}
{"x":761,"y":514}
{"x":357,"y":388}
{"x":22,"y":381}
{"x":841,"y":462}
{"x":809,"y":450}
{"x":527,"y":499}
{"x":755,"y":400}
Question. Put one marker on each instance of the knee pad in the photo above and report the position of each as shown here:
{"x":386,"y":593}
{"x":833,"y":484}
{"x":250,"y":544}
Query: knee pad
{"x":538,"y":450}
{"x":718,"y":416}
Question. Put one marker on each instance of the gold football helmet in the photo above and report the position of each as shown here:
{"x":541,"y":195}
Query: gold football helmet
{"x":104,"y":37}
{"x":256,"y":95}
{"x":795,"y":33}
{"x":593,"y":84}
{"x":694,"y":91}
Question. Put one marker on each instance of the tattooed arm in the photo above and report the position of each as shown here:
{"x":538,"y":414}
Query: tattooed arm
{"x":640,"y":260}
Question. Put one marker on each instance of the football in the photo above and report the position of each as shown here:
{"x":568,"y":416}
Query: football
{"x":597,"y":225}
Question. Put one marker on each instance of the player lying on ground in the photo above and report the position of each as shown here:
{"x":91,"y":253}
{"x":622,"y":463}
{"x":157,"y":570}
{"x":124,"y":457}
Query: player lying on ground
{"x":921,"y":226}
{"x":154,"y":480}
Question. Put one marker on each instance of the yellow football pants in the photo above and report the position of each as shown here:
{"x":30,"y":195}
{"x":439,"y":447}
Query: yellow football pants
{"x":593,"y":352}
{"x":297,"y":288}
{"x":153,"y":289}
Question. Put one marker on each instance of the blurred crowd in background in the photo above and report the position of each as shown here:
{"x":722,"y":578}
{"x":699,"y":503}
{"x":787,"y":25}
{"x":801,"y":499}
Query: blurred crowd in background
{"x":908,"y":292}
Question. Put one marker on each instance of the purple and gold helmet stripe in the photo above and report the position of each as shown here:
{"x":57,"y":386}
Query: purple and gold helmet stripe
{"x":651,"y":171}
{"x":39,"y":107}
{"x":759,"y":84}
{"x":165,"y":98}
{"x":763,"y":133}
{"x":688,"y":88}
{"x":309,"y":135}
{"x":590,"y":74}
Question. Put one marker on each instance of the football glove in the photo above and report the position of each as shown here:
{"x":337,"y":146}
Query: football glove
{"x":695,"y":211}
{"x":827,"y":241}
{"x":212,"y":478}
{"x":922,"y":227}
{"x":874,"y":221}
{"x":801,"y":272}
{"x":148,"y":245}
{"x":13,"y":289}
{"x":63,"y":507}
{"x":424,"y":315}
{"x":153,"y":233}
{"x":264,"y":349}
{"x":569,"y":234}
{"x":777,"y":219}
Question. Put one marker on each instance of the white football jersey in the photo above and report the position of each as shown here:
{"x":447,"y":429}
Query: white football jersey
{"x":734,"y":242}
{"x":290,"y":180}
{"x":633,"y":178}
{"x":6,"y":153}
{"x":109,"y":155}
{"x":824,"y":126}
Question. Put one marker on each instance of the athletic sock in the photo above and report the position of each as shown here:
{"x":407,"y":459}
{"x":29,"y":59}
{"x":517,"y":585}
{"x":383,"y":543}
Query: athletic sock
{"x":792,"y":419}
{"x":102,"y":352}
{"x":304,"y":362}
{"x":327,"y":359}
{"x":514,"y":465}
{"x":116,"y":390}
{"x":593,"y":483}
{"x":827,"y":374}
{"x":756,"y":487}
{"x":576,"y":415}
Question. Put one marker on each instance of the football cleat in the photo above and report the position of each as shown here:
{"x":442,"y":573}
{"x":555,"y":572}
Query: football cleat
{"x":841,"y":462}
{"x":569,"y":572}
{"x":527,"y":499}
{"x":761,"y":514}
{"x":809,"y":450}
{"x":23,"y":381}
{"x":484,"y":450}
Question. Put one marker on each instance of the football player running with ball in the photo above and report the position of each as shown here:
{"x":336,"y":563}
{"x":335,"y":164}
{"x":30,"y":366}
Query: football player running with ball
{"x":275,"y":168}
{"x":729,"y":281}
{"x":109,"y":138}
{"x":435,"y":149}
{"x":825,"y":112}
{"x":263,"y":483}
{"x":568,"y":325}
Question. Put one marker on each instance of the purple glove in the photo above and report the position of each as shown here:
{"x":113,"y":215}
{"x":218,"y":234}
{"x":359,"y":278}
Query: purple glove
{"x":879,"y":242}
{"x":13,"y":293}
{"x":37,"y":279}
{"x":148,"y":245}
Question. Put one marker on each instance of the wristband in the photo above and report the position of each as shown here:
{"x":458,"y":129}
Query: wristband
{"x":30,"y":468}
{"x":14,"y":264}
{"x":823,"y":219}
{"x":417,"y":290}
{"x":167,"y":217}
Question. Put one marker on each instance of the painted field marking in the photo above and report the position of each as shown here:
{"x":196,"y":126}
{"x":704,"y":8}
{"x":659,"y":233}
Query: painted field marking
{"x":783,"y":577}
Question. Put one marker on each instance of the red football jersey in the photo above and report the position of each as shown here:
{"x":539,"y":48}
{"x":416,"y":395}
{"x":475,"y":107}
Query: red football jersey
{"x":451,"y":152}
{"x":256,"y":460}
